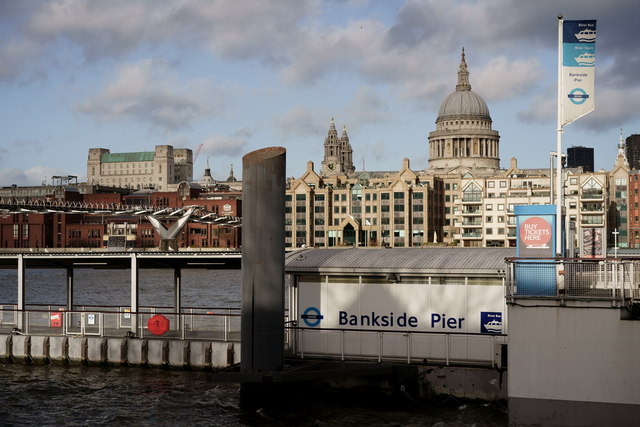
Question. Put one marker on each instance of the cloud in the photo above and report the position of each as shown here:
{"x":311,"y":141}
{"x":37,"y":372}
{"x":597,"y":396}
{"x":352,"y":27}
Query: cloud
{"x":15,"y":55}
{"x":301,"y":121}
{"x":367,"y":107}
{"x":99,"y":29}
{"x":542,"y":108}
{"x":614,"y":108}
{"x":149,"y":92}
{"x":28,"y":144}
{"x":227,"y":146}
{"x":501,"y":79}
{"x":35,"y":175}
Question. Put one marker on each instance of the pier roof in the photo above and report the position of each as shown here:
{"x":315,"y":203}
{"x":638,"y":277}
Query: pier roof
{"x":445,"y":261}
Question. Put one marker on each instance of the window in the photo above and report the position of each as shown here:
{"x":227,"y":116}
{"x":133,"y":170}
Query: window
{"x":301,"y":197}
{"x":503,"y":184}
{"x":384,"y":196}
{"x":398,"y":195}
{"x":488,"y":219}
{"x":491,"y":184}
{"x":500,"y":206}
{"x":319,"y":197}
{"x":488,"y":207}
{"x":471,"y":193}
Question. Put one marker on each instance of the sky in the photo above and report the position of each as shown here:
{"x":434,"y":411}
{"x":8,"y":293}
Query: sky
{"x":226,"y":77}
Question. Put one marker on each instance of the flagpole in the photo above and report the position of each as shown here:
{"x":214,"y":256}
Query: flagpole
{"x":559,"y":188}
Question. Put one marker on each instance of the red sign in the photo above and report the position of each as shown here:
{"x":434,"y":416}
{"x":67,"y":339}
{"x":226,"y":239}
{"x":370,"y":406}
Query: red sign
{"x":56,"y":320}
{"x":158,"y":324}
{"x":535,"y":232}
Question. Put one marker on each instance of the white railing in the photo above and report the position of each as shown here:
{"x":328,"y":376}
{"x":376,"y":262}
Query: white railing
{"x":393,"y":346}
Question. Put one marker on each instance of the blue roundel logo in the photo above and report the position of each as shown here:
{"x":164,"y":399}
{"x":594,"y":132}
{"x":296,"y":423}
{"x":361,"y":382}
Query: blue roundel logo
{"x":578,"y":96}
{"x":312,"y":317}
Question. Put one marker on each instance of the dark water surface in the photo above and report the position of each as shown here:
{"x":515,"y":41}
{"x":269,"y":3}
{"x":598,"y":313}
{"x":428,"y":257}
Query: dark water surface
{"x":79,"y":395}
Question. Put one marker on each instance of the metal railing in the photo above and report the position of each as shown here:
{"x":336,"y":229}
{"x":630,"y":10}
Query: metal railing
{"x":607,"y":279}
{"x":410,"y":347}
{"x":221,"y":324}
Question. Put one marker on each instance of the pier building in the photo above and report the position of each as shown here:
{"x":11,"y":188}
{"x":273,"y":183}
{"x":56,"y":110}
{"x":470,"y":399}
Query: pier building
{"x":428,"y":305}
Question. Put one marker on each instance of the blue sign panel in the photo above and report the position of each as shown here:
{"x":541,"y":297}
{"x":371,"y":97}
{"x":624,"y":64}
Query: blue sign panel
{"x":536,"y":238}
{"x":490,"y":322}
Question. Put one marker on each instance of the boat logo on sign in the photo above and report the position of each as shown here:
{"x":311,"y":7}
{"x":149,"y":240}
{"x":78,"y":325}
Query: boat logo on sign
{"x":490,"y":322}
{"x":312,"y":317}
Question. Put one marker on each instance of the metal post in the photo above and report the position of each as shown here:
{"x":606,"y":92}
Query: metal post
{"x":20,"y":321}
{"x":134,"y":294}
{"x":69,"y":289}
{"x":262,"y":325}
{"x":551,"y":178}
{"x":177,"y":304}
{"x":559,"y":145}
{"x":177,"y":290}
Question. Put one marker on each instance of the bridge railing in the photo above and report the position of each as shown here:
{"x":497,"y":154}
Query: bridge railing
{"x":607,"y":279}
{"x":410,"y":347}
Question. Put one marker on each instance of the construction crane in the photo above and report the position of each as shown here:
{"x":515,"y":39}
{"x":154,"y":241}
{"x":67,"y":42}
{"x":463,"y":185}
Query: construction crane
{"x":197,"y":152}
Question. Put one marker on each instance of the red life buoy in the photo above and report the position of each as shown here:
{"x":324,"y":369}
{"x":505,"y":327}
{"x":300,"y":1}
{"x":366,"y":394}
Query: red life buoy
{"x":158,"y":324}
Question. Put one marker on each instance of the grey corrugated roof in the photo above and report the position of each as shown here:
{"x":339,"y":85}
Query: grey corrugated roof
{"x":442,"y":260}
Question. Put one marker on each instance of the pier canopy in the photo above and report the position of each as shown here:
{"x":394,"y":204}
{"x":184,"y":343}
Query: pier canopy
{"x":438,"y":261}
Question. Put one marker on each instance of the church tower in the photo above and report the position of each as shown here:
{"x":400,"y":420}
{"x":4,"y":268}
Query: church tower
{"x":338,"y":154}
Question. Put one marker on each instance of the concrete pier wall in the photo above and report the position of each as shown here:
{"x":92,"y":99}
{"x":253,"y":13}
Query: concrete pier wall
{"x":573,"y":363}
{"x":118,"y":351}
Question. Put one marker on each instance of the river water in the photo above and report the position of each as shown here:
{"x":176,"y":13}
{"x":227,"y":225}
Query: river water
{"x":79,"y":395}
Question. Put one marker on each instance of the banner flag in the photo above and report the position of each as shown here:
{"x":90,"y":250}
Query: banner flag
{"x":578,"y":69}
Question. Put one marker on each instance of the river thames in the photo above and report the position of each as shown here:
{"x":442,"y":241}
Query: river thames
{"x":79,"y":395}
